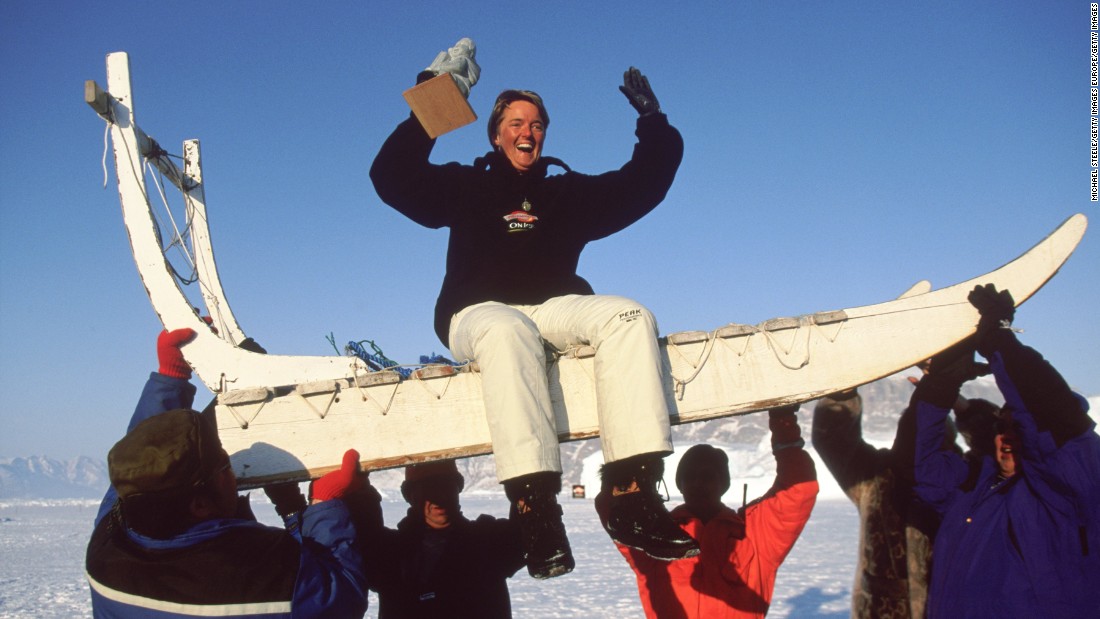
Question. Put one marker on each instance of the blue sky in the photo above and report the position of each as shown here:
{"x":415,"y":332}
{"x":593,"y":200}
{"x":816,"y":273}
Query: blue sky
{"x":835,"y":154}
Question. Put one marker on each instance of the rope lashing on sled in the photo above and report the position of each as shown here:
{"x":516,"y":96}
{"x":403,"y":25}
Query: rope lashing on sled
{"x":106,"y":147}
{"x":417,"y":376}
{"x":431,"y":366}
{"x":178,"y":239}
{"x":327,"y":389}
{"x":686,"y":338}
{"x":375,"y":379}
{"x":377,"y":360}
{"x":235,"y":401}
{"x":769,"y":328}
{"x":154,"y":156}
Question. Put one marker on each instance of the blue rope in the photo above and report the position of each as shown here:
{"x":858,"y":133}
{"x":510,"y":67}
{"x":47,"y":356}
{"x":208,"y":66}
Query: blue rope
{"x":435,"y":359}
{"x":377,"y":360}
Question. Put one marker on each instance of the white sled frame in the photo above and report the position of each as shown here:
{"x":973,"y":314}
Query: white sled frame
{"x":292,"y":417}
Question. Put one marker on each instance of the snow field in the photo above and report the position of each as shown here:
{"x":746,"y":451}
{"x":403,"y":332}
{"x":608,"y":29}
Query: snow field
{"x":42,"y":546}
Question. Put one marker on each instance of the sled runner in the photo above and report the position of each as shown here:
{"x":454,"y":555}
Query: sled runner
{"x":291,"y":417}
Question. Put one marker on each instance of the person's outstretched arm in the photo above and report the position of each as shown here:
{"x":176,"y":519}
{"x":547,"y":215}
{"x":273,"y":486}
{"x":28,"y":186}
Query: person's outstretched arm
{"x":169,"y":388}
{"x":837,"y":435}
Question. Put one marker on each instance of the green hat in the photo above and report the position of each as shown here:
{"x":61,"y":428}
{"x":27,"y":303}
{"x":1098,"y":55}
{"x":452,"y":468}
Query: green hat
{"x":171,"y":451}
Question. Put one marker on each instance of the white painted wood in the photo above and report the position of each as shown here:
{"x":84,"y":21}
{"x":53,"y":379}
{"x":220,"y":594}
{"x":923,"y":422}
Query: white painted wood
{"x":210,"y":283}
{"x":290,"y":417}
{"x":208,"y":354}
{"x":920,"y":287}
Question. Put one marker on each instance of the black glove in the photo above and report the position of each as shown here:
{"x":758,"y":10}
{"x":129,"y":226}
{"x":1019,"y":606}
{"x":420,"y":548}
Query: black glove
{"x":947,"y":372}
{"x":636,"y":88}
{"x":997,"y":309}
{"x":244,"y":508}
{"x":786,"y":433}
{"x":365,"y":505}
{"x":287,"y":498}
{"x":252,"y":345}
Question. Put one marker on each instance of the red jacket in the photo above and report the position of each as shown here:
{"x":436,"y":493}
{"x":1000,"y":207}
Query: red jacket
{"x":734,"y":574}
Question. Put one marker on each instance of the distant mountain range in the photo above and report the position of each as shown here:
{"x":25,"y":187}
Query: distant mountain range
{"x":42,"y":477}
{"x":745,"y":437}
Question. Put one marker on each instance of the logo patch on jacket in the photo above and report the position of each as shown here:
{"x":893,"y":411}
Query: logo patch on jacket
{"x":519,"y":221}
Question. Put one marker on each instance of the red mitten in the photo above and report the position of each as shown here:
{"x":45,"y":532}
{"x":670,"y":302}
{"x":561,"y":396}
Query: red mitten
{"x":169,"y":354}
{"x":336,"y":484}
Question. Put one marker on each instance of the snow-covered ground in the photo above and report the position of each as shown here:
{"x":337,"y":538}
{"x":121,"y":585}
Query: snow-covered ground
{"x":42,"y":546}
{"x":42,"y":549}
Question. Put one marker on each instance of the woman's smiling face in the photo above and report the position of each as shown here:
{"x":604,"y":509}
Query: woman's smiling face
{"x":520,"y":135}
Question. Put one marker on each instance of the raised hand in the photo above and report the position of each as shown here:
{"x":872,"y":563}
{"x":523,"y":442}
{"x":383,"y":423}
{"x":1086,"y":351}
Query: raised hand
{"x":334,"y":485}
{"x":997,"y":309}
{"x":169,"y":355}
{"x":636,"y":88}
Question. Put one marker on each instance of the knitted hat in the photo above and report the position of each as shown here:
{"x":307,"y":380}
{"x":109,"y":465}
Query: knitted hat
{"x":977,"y":422}
{"x":417,"y":472}
{"x":171,"y":451}
{"x":431,"y":474}
{"x":703,"y":456}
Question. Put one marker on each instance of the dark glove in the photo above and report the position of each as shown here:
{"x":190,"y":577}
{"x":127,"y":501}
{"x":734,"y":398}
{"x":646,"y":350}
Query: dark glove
{"x":169,"y":354}
{"x":251,"y":345}
{"x":365,"y":505}
{"x":997,"y":309}
{"x":786,"y":433}
{"x":286,"y":497}
{"x":424,"y":76}
{"x":244,"y":509}
{"x":336,"y":484}
{"x":947,"y":372}
{"x":636,"y":88}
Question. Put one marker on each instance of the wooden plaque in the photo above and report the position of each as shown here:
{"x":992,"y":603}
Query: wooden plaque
{"x":439,"y":106}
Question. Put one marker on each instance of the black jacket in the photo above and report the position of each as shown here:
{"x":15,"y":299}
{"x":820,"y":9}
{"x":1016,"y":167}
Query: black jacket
{"x":498,"y":251}
{"x":460,"y":571}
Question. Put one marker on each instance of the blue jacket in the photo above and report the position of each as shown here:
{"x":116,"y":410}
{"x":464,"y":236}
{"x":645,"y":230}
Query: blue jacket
{"x":230,"y":567}
{"x":1026,"y":546}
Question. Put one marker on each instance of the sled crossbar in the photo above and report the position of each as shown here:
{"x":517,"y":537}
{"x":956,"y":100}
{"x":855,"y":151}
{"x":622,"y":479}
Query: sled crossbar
{"x":105,"y":105}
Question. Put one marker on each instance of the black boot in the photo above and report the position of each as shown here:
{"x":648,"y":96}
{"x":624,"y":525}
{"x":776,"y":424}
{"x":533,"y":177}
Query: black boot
{"x":638,"y":517}
{"x":535,"y":507}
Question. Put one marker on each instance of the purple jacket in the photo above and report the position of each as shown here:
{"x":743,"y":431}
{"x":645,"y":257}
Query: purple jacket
{"x":1026,"y":546}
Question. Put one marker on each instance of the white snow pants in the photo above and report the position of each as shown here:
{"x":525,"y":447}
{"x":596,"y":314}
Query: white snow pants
{"x":509,"y":343}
